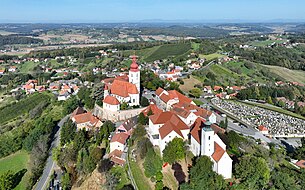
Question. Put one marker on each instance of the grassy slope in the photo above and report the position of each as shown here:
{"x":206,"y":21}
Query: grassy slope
{"x":139,"y":176}
{"x":266,"y":42}
{"x":15,"y":162}
{"x":189,"y":84}
{"x":289,"y":75}
{"x":211,"y":56}
{"x":28,"y":66}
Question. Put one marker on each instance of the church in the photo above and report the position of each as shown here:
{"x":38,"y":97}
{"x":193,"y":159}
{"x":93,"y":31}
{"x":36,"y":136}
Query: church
{"x":122,"y":89}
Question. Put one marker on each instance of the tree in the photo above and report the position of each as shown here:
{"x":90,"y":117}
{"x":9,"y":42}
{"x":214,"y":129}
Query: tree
{"x":253,"y":172}
{"x":196,"y":92}
{"x":66,"y":181}
{"x":7,"y":180}
{"x":283,"y":180}
{"x":174,"y":150}
{"x":144,"y":102}
{"x":104,"y":165}
{"x":67,"y":132}
{"x":124,"y":106}
{"x":142,"y":119}
{"x":152,"y":163}
{"x":203,"y":180}
{"x":269,"y":100}
{"x":70,"y":105}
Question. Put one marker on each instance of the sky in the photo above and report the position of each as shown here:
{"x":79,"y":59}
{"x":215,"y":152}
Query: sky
{"x":139,"y":10}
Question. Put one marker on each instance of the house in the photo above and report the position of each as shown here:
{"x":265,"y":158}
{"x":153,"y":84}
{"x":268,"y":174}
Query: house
{"x":12,"y":69}
{"x":116,"y":157}
{"x":205,"y":141}
{"x":164,"y":127}
{"x":207,"y":89}
{"x":2,"y":71}
{"x":300,"y":163}
{"x":77,"y":111}
{"x":199,"y":112}
{"x":169,"y":98}
{"x":217,"y":88}
{"x":118,"y":141}
{"x":127,"y":126}
{"x":86,"y":121}
{"x":153,"y":108}
{"x":63,"y":95}
{"x":263,"y":130}
{"x":188,"y":117}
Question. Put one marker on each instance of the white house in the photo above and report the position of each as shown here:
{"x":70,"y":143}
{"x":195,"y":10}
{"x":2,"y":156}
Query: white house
{"x":164,"y":127}
{"x":118,"y":142}
{"x":169,"y":98}
{"x":205,"y":141}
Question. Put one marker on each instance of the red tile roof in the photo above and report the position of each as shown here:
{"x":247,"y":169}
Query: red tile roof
{"x":116,"y":153}
{"x":86,"y":117}
{"x":120,"y":137}
{"x":181,"y":112}
{"x":174,"y":94}
{"x":154,"y":108}
{"x":171,"y":123}
{"x":123,"y":88}
{"x":262,"y":128}
{"x":111,"y":100}
{"x":218,"y":152}
{"x":301,"y":163}
{"x":117,"y":160}
{"x":196,"y":129}
{"x":77,"y":111}
{"x":195,"y":109}
{"x":159,"y":91}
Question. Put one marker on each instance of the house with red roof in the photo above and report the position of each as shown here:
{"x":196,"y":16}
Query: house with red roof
{"x":153,"y":108}
{"x":164,"y":127}
{"x":168,"y":98}
{"x":263,"y":130}
{"x":127,"y":126}
{"x":118,"y":141}
{"x":300,"y":163}
{"x":205,"y":141}
{"x":116,"y":157}
{"x":86,"y":121}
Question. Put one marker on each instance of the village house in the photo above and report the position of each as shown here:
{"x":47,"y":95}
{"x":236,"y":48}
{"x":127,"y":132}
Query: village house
{"x":169,"y":98}
{"x":12,"y":69}
{"x":164,"y":127}
{"x":86,"y":121}
{"x":263,"y":130}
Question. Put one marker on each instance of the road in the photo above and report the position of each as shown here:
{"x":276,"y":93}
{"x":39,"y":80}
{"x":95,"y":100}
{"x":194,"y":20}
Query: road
{"x":47,"y":172}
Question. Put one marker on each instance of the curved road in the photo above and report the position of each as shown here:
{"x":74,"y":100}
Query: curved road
{"x":43,"y":181}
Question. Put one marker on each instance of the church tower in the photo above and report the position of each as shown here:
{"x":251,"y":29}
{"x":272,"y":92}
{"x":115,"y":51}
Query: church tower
{"x":134,"y":73}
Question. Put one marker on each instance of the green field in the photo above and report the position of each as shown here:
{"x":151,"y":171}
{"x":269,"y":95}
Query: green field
{"x":287,"y":74}
{"x":211,"y":56}
{"x":195,"y":46}
{"x":169,"y":50}
{"x":139,"y":176}
{"x":16,"y":163}
{"x":28,"y":66}
{"x":266,"y":42}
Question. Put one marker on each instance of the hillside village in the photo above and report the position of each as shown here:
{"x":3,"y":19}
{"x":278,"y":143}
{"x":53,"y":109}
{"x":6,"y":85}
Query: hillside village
{"x":125,"y":117}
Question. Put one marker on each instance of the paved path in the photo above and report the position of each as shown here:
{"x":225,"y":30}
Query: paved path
{"x":43,"y":181}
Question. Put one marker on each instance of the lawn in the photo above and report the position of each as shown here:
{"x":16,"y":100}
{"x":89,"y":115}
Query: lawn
{"x":276,"y":109}
{"x":189,"y":84}
{"x":122,"y":174}
{"x":266,"y":42}
{"x":16,"y":163}
{"x":211,"y":56}
{"x":139,"y":176}
{"x":28,"y":66}
{"x":287,"y":74}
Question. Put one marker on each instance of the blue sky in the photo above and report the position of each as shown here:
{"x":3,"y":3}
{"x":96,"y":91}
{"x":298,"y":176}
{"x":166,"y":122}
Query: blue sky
{"x":135,"y":10}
